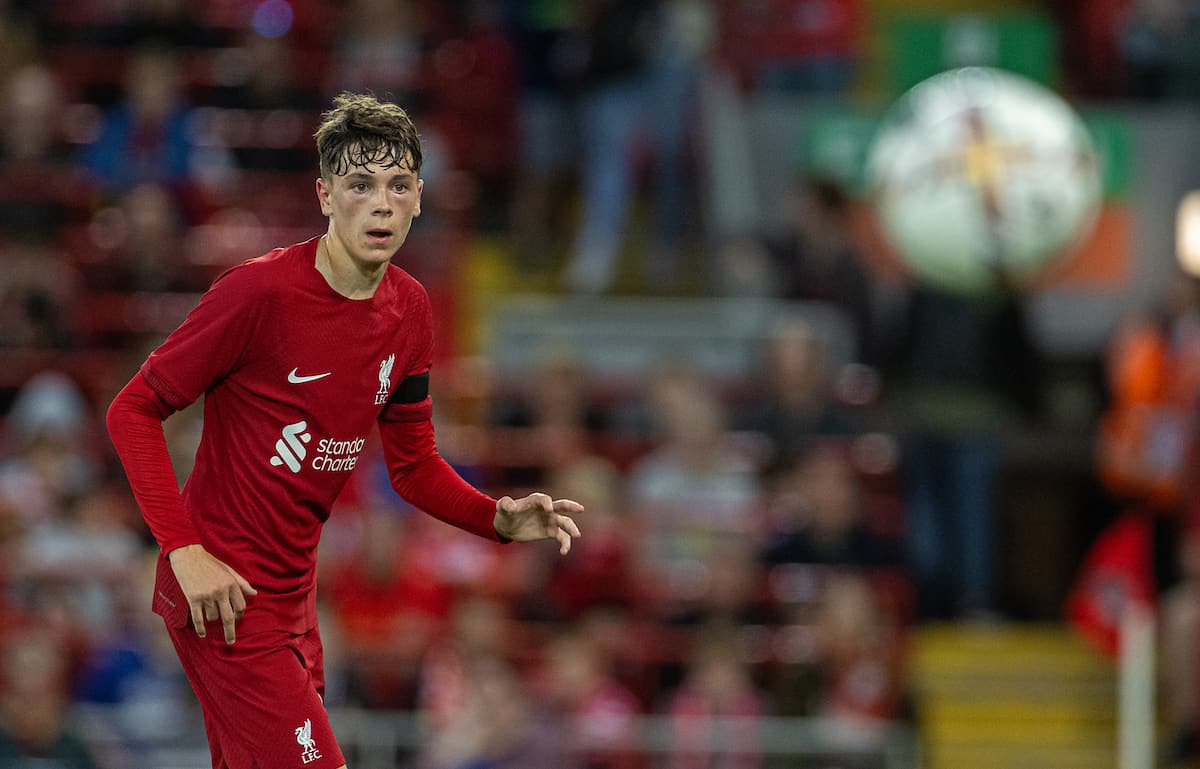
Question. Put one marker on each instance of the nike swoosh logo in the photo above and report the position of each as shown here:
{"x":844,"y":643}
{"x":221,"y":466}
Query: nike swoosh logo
{"x":295,"y":378}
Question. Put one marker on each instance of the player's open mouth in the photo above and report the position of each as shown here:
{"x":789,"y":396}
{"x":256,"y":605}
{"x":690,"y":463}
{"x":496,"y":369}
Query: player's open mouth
{"x":379,"y":235}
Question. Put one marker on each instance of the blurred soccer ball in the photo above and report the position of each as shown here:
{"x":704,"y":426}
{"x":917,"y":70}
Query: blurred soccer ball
{"x":981,"y":177}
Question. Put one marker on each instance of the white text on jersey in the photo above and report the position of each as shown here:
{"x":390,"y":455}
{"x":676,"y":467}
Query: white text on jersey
{"x":330,"y":455}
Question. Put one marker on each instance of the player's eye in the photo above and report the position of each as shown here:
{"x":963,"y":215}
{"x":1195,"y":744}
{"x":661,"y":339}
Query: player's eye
{"x":359,"y":187}
{"x":401,"y":187}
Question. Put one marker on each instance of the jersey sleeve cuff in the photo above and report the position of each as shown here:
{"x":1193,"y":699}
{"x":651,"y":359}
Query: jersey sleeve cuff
{"x":163,"y":388}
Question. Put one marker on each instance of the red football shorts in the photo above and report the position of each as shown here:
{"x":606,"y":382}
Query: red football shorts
{"x":261,"y":698}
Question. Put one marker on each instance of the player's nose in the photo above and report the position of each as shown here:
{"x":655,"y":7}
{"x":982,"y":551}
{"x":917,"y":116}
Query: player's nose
{"x":382,"y":204}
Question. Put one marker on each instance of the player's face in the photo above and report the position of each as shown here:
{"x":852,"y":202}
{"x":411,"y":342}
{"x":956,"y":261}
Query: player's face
{"x":370,"y":210}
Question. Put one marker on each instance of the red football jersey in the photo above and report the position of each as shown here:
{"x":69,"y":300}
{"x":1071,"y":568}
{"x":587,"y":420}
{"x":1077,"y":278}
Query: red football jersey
{"x":293,"y":376}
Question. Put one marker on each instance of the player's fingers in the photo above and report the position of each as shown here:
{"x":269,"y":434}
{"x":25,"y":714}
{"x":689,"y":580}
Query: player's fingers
{"x":198,"y":618}
{"x":227,"y":618}
{"x":568,"y":505}
{"x":543,"y":501}
{"x":568,"y":525}
{"x":242,"y":582}
{"x":211,"y":613}
{"x":238,"y":602}
{"x":564,"y":541}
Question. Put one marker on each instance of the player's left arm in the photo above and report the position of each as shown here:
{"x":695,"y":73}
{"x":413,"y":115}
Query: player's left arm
{"x":425,"y":480}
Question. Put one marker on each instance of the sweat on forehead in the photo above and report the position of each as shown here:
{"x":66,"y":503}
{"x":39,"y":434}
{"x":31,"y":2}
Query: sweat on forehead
{"x":359,"y":156}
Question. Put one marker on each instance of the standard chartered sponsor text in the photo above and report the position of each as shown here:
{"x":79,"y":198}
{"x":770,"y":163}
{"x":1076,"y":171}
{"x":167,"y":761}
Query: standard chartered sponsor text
{"x":334,"y":455}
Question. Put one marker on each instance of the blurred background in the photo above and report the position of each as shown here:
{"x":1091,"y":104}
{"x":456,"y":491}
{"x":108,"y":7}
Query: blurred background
{"x":837,"y":518}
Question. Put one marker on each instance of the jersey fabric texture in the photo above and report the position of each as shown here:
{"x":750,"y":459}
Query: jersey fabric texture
{"x":293,"y":377}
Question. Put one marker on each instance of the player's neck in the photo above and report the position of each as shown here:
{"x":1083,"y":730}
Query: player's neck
{"x":343,"y":274}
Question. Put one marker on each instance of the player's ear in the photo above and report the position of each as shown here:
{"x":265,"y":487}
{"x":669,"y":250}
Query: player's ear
{"x":323,"y":196}
{"x":420,"y":186}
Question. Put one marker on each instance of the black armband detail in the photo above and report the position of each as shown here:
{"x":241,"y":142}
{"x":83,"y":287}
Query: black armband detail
{"x":413,"y":389}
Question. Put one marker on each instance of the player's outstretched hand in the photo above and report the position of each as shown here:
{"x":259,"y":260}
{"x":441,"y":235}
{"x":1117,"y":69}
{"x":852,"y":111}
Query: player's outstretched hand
{"x":537,"y":517}
{"x":213,"y":590}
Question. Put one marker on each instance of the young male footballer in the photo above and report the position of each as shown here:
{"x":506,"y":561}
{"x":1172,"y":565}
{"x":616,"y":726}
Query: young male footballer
{"x":297,"y":353}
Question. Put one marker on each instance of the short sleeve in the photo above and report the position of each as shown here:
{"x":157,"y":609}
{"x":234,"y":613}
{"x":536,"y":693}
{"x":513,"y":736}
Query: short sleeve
{"x":419,"y":326}
{"x":211,"y":341}
{"x":410,"y":399}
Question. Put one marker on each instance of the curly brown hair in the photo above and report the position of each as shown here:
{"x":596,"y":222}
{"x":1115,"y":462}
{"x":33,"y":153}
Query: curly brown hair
{"x":361,"y":129}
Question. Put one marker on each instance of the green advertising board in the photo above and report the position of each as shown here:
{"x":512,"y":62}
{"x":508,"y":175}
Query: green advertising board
{"x":919,"y":46}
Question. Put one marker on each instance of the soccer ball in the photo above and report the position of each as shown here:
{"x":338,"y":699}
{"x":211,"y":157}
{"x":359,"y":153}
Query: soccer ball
{"x":980,"y":178}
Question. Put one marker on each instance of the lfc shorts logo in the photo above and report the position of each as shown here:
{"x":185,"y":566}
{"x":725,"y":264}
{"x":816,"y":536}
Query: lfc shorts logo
{"x":308,"y":745}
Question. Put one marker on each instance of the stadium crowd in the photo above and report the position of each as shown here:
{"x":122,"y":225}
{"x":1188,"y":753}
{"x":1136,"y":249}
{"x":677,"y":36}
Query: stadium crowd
{"x":750,"y":549}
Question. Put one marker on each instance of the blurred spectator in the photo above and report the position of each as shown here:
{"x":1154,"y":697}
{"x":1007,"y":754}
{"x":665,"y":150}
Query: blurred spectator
{"x":144,"y":137}
{"x":497,"y":728}
{"x":43,"y":192}
{"x":861,"y":651}
{"x":477,"y":635}
{"x":34,"y":700}
{"x":818,"y":518}
{"x":39,"y":293}
{"x":379,"y":47}
{"x":262,"y":73}
{"x":266,"y":76}
{"x":1158,"y":42}
{"x":600,"y":714}
{"x":840,"y":651}
{"x":91,"y":546}
{"x":1117,"y":573}
{"x":1146,"y":439}
{"x":598,"y":573}
{"x":792,"y":403}
{"x":693,"y":489}
{"x":795,"y":46}
{"x":1093,"y":33}
{"x":473,"y":102}
{"x":477,"y":712}
{"x":714,"y":712}
{"x":548,"y":61}
{"x":1145,"y":450}
{"x":140,"y":246}
{"x":815,"y":258}
{"x":729,"y":587}
{"x":461,"y":562}
{"x":388,"y":609}
{"x":49,"y":401}
{"x":629,"y":640}
{"x":615,"y":41}
{"x":684,"y":34}
{"x":132,"y":668}
{"x":48,"y":463}
{"x":32,"y":106}
{"x":554,"y":416}
{"x":19,"y":36}
{"x":723,"y":590}
{"x":972,"y":375}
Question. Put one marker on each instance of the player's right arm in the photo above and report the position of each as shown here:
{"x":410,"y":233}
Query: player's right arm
{"x":203,"y":350}
{"x":213,"y":590}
